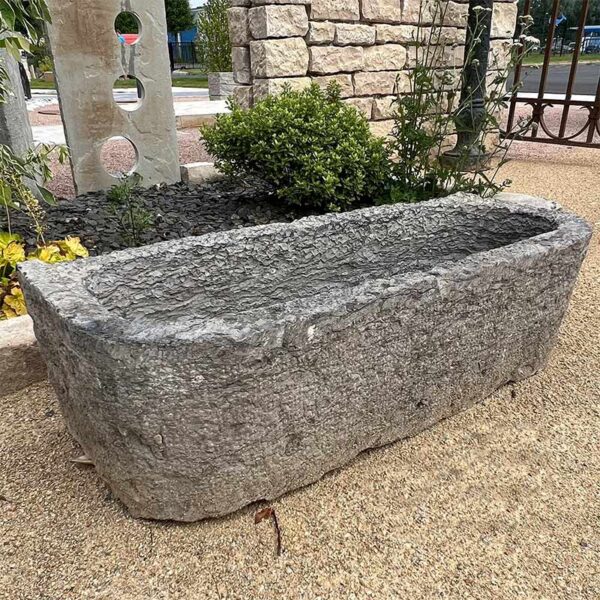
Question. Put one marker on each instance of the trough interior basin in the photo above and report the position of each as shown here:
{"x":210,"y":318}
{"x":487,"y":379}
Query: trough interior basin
{"x":276,"y":276}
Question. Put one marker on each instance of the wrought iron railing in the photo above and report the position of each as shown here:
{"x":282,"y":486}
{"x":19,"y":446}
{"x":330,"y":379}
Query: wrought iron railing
{"x":536,"y":127}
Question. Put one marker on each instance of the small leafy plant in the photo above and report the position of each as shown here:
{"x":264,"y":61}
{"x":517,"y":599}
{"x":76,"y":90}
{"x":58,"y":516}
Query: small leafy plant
{"x":13,"y":252}
{"x":20,"y":175}
{"x":314,"y":150}
{"x":128,"y":212}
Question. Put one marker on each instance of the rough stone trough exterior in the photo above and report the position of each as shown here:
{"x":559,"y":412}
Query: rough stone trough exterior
{"x":204,"y":374}
{"x":367,"y":46}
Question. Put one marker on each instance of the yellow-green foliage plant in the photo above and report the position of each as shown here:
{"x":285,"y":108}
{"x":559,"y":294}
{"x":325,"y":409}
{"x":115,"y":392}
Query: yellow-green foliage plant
{"x":20,"y":27}
{"x":13,"y":252}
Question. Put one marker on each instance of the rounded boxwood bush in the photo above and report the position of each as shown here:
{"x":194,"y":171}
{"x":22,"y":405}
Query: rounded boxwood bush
{"x":313,"y":149}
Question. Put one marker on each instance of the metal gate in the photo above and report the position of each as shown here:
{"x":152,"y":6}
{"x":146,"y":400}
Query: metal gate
{"x":563,"y":128}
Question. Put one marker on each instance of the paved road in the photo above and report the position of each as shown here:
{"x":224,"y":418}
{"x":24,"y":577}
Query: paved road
{"x":586,"y":81}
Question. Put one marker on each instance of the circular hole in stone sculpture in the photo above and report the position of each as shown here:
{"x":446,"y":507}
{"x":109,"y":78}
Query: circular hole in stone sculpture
{"x":128,"y":28}
{"x":119,"y":156}
{"x":129,"y":93}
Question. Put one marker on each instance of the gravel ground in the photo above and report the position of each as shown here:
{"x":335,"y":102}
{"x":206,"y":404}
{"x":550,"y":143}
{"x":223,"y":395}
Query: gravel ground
{"x":497,"y":503}
{"x":118,"y":155}
{"x":576,"y":121}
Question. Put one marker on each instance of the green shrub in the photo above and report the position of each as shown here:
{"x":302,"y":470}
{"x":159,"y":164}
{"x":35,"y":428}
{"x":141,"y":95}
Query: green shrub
{"x":313,"y":149}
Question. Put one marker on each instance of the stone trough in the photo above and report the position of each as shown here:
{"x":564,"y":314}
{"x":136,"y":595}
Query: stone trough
{"x":205,"y":374}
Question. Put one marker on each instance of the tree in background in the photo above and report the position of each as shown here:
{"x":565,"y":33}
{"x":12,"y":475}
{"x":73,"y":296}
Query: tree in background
{"x":179,"y":15}
{"x":126,"y":23}
{"x":213,"y":44}
{"x":541,"y":11}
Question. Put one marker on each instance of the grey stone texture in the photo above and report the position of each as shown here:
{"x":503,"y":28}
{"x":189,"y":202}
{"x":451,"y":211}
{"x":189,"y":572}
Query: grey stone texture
{"x":88,"y":61}
{"x":239,"y":30}
{"x":200,"y":172}
{"x":241,"y":65}
{"x":221,"y":84}
{"x":203,"y":374}
{"x":15,"y":130}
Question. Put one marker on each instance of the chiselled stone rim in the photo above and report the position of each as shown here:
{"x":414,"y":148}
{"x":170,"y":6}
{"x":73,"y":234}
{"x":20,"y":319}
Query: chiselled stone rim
{"x":68,"y":296}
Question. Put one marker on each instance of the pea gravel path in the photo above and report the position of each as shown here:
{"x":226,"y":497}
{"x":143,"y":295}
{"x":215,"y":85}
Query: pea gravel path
{"x":500,"y":502}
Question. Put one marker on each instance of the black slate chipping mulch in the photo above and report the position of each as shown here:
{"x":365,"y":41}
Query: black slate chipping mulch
{"x":178,"y":211}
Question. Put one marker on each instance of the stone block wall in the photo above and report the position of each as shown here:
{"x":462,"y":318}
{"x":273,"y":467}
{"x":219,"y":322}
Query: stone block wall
{"x":367,"y":46}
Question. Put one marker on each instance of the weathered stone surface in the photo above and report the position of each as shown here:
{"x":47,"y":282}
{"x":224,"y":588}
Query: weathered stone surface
{"x":383,"y":108}
{"x":504,"y":19}
{"x":382,"y":11}
{"x":337,"y":10}
{"x":385,"y":58}
{"x":440,"y":56}
{"x":333,"y":59}
{"x":364,"y":105}
{"x":354,"y":34}
{"x":410,"y":34}
{"x":399,"y":34}
{"x":240,"y":57}
{"x":21,"y":364}
{"x":87,"y":61}
{"x":321,"y":32}
{"x":15,"y":130}
{"x":381,"y":128}
{"x":378,"y":83}
{"x":419,"y":11}
{"x":239,"y":32}
{"x":448,"y":143}
{"x":278,"y":21}
{"x":447,"y":35}
{"x":200,"y":172}
{"x":454,"y":15}
{"x":262,"y":2}
{"x":272,"y":87}
{"x":344,"y":80}
{"x":220,"y":85}
{"x":194,"y":404}
{"x":500,"y":54}
{"x":279,"y":58}
{"x":245,"y":3}
{"x":243,"y":95}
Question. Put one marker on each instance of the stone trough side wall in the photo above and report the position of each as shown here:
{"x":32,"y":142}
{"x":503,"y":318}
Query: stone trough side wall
{"x":364,"y":45}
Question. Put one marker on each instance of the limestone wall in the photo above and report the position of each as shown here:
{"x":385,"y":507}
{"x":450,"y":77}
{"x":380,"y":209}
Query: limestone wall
{"x":364,"y":45}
